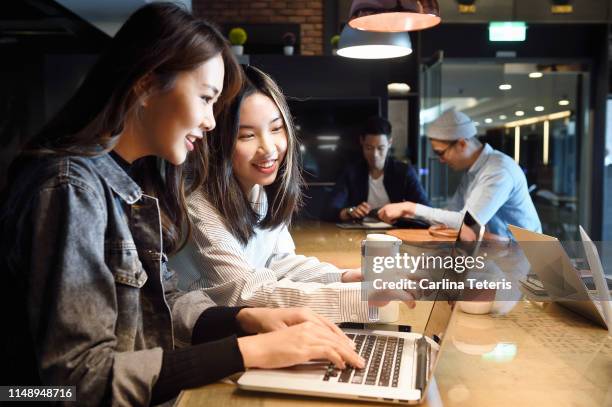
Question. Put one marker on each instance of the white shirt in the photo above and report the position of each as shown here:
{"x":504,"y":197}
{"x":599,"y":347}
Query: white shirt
{"x":377,"y":194}
{"x":495,"y":192}
{"x":264,"y":273}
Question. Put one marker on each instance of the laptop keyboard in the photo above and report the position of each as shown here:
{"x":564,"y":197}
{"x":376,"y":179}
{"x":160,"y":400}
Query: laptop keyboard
{"x":383,"y":356}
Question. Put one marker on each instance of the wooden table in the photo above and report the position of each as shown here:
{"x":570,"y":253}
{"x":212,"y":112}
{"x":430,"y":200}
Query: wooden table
{"x":535,"y":355}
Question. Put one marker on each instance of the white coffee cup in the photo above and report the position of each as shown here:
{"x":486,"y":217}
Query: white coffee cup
{"x":381,"y":237}
{"x":377,"y":244}
{"x":476,"y":307}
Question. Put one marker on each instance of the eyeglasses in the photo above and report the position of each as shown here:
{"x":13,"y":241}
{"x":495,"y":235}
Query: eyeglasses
{"x":443,"y":152}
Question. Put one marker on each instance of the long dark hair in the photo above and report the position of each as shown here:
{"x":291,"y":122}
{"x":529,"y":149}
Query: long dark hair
{"x":222,"y":188}
{"x":162,"y":40}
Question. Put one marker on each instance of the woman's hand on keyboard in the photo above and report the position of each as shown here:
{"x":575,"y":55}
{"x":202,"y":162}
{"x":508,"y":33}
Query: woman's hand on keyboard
{"x":262,"y":320}
{"x":297,"y":344}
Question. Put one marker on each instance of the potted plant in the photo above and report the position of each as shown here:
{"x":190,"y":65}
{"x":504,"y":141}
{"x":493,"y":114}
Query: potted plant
{"x":289,"y":43}
{"x":334,"y":43}
{"x":467,"y":6}
{"x":237,"y":37}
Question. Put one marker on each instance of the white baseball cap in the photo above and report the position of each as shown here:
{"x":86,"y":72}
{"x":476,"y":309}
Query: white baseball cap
{"x":451,"y":126}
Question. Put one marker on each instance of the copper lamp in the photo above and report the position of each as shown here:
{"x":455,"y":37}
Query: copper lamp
{"x":394,"y":15}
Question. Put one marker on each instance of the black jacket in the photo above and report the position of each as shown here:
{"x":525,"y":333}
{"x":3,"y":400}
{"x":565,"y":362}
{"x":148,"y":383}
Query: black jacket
{"x":401,"y":183}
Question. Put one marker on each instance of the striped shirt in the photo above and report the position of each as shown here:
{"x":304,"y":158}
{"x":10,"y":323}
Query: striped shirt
{"x":266,"y":272}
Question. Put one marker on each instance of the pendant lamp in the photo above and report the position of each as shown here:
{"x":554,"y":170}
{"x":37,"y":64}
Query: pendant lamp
{"x":394,"y":15}
{"x":373,"y":45}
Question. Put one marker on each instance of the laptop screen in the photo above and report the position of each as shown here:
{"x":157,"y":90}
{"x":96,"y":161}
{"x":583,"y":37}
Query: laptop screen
{"x":470,"y":235}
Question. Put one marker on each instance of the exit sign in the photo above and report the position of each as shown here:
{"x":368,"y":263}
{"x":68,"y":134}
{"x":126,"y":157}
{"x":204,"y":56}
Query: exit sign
{"x":507,"y":31}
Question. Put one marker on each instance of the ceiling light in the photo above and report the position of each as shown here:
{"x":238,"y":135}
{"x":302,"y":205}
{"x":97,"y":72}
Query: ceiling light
{"x":394,"y":16}
{"x":539,"y":108}
{"x":330,"y":147}
{"x":564,"y":102}
{"x":476,"y":123}
{"x":533,"y":120}
{"x":488,"y":120}
{"x":536,"y":75}
{"x":519,"y":113}
{"x":505,"y":86}
{"x":373,"y":45}
{"x":328,"y":137}
{"x":397,"y":88}
{"x":503,"y":117}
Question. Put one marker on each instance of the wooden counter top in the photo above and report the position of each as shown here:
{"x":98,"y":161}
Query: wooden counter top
{"x":534,"y":355}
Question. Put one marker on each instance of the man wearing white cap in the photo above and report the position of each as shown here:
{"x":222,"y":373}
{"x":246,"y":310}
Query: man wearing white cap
{"x":493,"y":189}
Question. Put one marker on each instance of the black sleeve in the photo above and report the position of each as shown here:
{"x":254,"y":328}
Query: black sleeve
{"x":338,"y":199}
{"x":413,"y":190}
{"x":196,"y":366}
{"x":216,"y":323}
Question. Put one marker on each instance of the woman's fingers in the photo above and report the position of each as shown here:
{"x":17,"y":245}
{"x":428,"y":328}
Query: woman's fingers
{"x":337,"y":334}
{"x":325,"y":352}
{"x":334,"y":328}
{"x":348,"y":355}
{"x":345,"y":348}
{"x":326,"y":324}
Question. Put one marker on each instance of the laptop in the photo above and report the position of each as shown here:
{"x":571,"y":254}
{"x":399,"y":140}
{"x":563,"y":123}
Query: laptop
{"x":599,"y":279}
{"x":557,"y":274}
{"x":372,"y":221}
{"x":399,"y":365}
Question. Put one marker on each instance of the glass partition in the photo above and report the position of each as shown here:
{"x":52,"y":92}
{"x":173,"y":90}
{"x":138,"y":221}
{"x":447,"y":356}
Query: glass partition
{"x":532,"y":113}
{"x":607,"y":177}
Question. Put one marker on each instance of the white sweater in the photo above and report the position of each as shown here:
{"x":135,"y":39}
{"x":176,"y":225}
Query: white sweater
{"x":264,"y":273}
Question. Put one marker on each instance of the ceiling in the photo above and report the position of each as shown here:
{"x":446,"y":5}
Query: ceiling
{"x":109,"y":15}
{"x":39,"y":18}
{"x":474,"y":89}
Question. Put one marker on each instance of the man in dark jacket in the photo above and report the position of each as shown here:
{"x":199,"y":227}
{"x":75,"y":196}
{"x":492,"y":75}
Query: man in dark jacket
{"x":374,"y":181}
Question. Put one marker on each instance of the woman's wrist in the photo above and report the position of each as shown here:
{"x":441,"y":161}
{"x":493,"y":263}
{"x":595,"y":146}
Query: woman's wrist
{"x":247,"y":320}
{"x":250,"y":352}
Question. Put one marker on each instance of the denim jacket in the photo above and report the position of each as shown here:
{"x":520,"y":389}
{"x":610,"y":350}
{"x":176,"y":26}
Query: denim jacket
{"x":92,"y":303}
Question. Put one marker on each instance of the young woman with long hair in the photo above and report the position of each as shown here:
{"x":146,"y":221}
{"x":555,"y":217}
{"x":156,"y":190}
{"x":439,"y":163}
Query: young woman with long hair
{"x":241,"y":252}
{"x":97,"y":201}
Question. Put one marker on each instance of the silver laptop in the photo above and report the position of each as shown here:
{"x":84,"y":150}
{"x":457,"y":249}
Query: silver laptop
{"x":558,"y":276}
{"x":599,"y":278}
{"x":399,"y":365}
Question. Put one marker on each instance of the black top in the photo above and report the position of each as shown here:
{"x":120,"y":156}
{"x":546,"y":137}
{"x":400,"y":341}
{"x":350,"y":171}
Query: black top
{"x":125,"y":166}
{"x":215,"y":347}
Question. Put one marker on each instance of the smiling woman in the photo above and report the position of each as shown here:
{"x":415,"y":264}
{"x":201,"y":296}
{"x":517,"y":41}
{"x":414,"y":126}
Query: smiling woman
{"x":261,"y":144}
{"x":241,"y":252}
{"x":94,"y":206}
{"x":171,"y":121}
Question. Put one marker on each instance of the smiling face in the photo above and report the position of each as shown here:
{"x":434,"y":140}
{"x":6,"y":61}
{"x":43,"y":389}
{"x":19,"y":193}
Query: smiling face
{"x":261,"y":142}
{"x":172,"y":120}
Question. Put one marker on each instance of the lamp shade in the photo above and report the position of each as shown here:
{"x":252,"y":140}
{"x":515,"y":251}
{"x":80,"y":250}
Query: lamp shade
{"x":373,"y":45}
{"x":394,"y":15}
